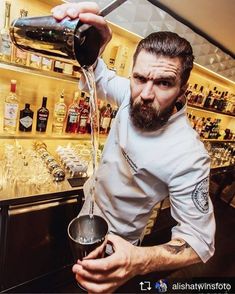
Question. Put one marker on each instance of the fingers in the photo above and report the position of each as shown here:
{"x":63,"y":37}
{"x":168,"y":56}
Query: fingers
{"x":74,"y":9}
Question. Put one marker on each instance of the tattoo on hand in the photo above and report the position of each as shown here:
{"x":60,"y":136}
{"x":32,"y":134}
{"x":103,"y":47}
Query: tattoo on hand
{"x":176,"y":248}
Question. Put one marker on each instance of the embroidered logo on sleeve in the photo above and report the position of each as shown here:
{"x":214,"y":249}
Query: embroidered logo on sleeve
{"x":200,"y":196}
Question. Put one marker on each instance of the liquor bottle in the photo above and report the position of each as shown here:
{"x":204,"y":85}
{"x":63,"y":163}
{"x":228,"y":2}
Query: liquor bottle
{"x":42,"y":116}
{"x":5,"y":41}
{"x":11,"y":109}
{"x":207,"y":102}
{"x":26,"y":119}
{"x":191,"y":96}
{"x":59,"y":115}
{"x":73,"y":115}
{"x":105,"y":119}
{"x":84,"y":117}
{"x":19,"y":56}
{"x":200,"y":96}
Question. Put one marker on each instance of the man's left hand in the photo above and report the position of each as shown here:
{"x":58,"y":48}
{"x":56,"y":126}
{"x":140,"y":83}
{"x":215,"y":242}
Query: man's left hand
{"x":105,"y":275}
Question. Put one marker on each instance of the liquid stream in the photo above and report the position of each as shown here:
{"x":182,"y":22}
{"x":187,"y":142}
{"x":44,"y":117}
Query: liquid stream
{"x":94,"y":122}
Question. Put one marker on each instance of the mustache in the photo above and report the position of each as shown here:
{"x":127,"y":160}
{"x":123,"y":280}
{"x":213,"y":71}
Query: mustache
{"x":147,"y":105}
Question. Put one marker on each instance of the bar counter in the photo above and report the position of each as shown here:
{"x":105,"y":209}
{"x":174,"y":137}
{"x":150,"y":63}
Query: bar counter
{"x":33,"y":230}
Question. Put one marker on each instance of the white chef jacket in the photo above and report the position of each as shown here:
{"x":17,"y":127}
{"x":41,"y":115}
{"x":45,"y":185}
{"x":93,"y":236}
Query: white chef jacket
{"x":138,"y":169}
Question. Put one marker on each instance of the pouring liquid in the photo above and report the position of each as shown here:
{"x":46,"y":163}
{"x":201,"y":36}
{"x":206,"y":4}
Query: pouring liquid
{"x":94,"y":121}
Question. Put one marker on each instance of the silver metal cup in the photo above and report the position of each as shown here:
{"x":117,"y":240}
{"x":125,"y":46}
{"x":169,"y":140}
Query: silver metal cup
{"x":86,"y":234}
{"x":67,"y":40}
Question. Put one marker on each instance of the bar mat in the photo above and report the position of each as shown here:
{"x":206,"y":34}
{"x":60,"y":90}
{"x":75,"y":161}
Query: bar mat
{"x":77,"y":182}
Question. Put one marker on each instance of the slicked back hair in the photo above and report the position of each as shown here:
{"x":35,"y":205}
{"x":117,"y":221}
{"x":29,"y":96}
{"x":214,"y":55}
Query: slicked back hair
{"x":171,"y":45}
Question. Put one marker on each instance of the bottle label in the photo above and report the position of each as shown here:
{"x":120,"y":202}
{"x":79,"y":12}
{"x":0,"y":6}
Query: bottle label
{"x":11,"y":110}
{"x":6,"y":45}
{"x":21,"y":54}
{"x":42,"y":117}
{"x":83,"y":121}
{"x":105,"y":122}
{"x":46,"y":63}
{"x":73,"y":117}
{"x":10,"y":123}
{"x":59,"y":113}
{"x":26,"y":121}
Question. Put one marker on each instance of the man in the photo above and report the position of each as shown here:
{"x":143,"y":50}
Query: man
{"x":150,"y":153}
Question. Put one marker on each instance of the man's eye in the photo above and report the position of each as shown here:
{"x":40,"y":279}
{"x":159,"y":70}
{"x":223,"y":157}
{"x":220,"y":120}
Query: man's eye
{"x":164,"y":83}
{"x":140,"y":79}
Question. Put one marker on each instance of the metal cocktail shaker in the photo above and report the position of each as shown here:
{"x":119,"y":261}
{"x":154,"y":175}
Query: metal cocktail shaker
{"x":86,"y":233}
{"x":67,"y":40}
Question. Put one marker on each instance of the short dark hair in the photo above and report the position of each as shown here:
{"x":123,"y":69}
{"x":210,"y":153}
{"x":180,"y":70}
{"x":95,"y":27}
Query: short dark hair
{"x":168,"y":44}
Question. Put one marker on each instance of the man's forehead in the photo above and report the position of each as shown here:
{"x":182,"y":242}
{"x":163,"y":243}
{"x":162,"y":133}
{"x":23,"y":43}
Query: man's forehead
{"x":163,"y":65}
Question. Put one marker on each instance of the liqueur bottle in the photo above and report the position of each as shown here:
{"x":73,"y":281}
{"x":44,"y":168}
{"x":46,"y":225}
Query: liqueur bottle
{"x":11,"y":106}
{"x":5,"y":42}
{"x":59,"y":115}
{"x":26,"y":119}
{"x":84,"y":117}
{"x":42,"y":116}
{"x":73,"y":115}
{"x":105,"y":119}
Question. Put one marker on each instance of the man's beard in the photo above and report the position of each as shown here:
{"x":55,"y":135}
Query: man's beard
{"x":147,"y":118}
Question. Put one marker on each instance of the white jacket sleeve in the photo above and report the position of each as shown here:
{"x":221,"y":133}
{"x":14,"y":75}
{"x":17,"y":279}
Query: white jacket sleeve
{"x":191,"y":206}
{"x":109,"y":86}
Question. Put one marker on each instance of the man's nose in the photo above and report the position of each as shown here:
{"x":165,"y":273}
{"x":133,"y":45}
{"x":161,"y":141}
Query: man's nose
{"x":147,"y":92}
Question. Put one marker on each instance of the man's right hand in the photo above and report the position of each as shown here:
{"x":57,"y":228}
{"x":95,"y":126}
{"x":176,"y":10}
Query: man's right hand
{"x":88,"y":13}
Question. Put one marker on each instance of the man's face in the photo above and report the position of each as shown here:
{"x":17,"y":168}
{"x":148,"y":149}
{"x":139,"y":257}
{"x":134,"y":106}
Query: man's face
{"x":155,"y":86}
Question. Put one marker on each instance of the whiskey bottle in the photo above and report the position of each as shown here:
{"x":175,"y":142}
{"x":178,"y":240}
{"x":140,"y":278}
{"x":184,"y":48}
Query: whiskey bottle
{"x":59,"y":115}
{"x":42,"y":116}
{"x":84,"y":117}
{"x":11,"y":106}
{"x":20,"y":56}
{"x":5,"y":42}
{"x":26,"y":119}
{"x":73,"y":115}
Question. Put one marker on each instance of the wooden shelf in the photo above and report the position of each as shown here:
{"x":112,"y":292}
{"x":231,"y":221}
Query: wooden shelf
{"x":48,"y":136}
{"x":218,"y":141}
{"x":37,"y":72}
{"x":209,"y":110}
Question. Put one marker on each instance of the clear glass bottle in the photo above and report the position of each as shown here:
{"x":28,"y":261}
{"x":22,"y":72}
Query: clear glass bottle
{"x":26,"y":119}
{"x":59,"y":115}
{"x":11,"y":107}
{"x":20,"y":56}
{"x":5,"y":41}
{"x":73,"y":115}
